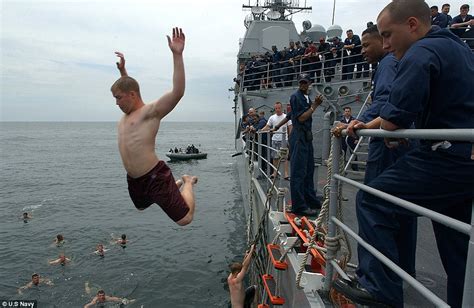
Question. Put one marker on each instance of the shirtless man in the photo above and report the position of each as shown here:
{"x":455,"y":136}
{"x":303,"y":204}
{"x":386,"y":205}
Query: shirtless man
{"x":149,"y":179}
{"x":238,"y":297}
{"x":100,"y":251}
{"x":26,"y":216}
{"x":61,"y":260}
{"x":59,"y":240}
{"x":102,"y":298}
{"x":122,"y":240}
{"x":35,"y":281}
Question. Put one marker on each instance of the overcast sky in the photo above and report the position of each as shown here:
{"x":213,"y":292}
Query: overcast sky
{"x":57,"y":57}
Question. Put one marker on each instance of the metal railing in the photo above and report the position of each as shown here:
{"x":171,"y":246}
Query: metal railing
{"x":261,"y":152}
{"x":427,"y":134}
{"x":283,"y":73}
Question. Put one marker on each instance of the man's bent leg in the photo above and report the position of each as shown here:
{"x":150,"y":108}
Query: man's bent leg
{"x":188,"y":196}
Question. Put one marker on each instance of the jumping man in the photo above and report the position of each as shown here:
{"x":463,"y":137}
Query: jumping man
{"x":149,"y":178}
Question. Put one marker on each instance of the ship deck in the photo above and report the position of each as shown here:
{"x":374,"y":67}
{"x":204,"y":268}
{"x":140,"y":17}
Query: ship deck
{"x":429,"y":270}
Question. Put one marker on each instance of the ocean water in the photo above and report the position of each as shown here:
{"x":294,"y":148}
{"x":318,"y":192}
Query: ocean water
{"x":70,"y":177}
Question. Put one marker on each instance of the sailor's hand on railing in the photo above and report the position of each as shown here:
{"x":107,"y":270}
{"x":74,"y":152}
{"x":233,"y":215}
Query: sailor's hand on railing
{"x":338,"y":129}
{"x":353,"y":126}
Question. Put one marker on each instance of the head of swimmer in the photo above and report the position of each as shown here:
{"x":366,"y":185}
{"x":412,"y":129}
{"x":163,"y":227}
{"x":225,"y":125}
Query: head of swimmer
{"x":235,"y":268}
{"x":124,"y":239}
{"x":35,"y":278}
{"x":62,"y":259}
{"x":101,"y":296}
{"x":127,"y":94}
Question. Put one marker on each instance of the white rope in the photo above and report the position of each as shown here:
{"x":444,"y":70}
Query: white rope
{"x":340,"y":241}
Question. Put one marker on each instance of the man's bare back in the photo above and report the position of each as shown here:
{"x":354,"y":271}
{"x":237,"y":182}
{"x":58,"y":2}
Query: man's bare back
{"x":235,"y":281}
{"x":137,"y":132}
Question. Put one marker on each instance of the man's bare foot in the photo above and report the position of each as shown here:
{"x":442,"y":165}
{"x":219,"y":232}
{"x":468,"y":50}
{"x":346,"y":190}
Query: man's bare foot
{"x":188,"y":178}
{"x":179,"y":183}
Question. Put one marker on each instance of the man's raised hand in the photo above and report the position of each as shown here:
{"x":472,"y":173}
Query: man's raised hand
{"x":176,"y":43}
{"x":121,"y":63}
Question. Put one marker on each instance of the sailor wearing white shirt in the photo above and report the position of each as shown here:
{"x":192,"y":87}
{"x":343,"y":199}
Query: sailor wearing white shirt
{"x":280,"y":136}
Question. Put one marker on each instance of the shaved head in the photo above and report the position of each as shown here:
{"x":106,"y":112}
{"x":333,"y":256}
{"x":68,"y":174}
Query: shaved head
{"x":401,"y":10}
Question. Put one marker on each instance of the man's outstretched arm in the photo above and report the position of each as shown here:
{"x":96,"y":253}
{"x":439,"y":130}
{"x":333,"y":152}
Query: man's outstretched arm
{"x":246,"y":263}
{"x":92,"y":303}
{"x":168,"y":101}
{"x":121,"y":64}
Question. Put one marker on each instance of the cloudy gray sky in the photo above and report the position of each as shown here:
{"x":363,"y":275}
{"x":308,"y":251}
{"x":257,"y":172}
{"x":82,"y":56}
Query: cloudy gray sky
{"x":57,"y":56}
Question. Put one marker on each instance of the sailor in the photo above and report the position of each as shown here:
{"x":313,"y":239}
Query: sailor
{"x":100,"y":251}
{"x":59,"y":240}
{"x":149,"y":179}
{"x":122,"y":241}
{"x":62,"y":260}
{"x":380,"y":157}
{"x":239,"y":297}
{"x":36,"y":280}
{"x":436,"y":175}
{"x":102,"y":298}
{"x":303,"y":192}
{"x":26,"y":216}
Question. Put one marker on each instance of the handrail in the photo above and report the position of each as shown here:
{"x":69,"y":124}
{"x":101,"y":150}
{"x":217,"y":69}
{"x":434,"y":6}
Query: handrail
{"x":422,"y":211}
{"x":257,"y":150}
{"x":262,"y":73}
{"x":389,"y":263}
{"x":466,"y":135}
{"x":452,"y":134}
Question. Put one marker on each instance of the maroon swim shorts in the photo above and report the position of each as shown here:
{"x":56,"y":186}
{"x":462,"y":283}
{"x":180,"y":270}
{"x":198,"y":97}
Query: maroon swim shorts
{"x":158,"y":186}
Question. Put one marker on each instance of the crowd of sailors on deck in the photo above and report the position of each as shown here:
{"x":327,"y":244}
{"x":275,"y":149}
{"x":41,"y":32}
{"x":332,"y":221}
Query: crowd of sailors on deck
{"x":279,"y":68}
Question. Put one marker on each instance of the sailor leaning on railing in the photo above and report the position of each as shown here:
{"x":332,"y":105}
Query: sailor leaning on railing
{"x":433,"y":88}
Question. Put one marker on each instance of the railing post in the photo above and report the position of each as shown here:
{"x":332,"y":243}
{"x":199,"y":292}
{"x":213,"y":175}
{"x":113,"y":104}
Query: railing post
{"x":468,"y":295}
{"x":268,"y":75}
{"x":326,"y":135}
{"x":270,"y":163}
{"x":333,"y":200}
{"x":259,"y":156}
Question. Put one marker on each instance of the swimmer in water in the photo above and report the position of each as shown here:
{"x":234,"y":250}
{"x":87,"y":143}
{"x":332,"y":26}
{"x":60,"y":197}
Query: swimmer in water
{"x":101,"y":298}
{"x":62,"y":260}
{"x":36,"y":280}
{"x":100,"y":250}
{"x":59,"y":240}
{"x":239,"y":297}
{"x":26,"y":216}
{"x":122,"y":240}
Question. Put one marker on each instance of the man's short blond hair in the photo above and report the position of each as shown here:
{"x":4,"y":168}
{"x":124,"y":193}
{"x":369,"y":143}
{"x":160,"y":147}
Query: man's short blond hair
{"x":125,"y":84}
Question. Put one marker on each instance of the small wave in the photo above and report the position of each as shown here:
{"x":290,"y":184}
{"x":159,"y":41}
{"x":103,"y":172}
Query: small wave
{"x":36,"y":206}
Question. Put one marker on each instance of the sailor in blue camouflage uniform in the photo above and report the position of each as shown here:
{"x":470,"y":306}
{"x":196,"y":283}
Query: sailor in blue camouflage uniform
{"x":433,"y":88}
{"x":303,"y":193}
